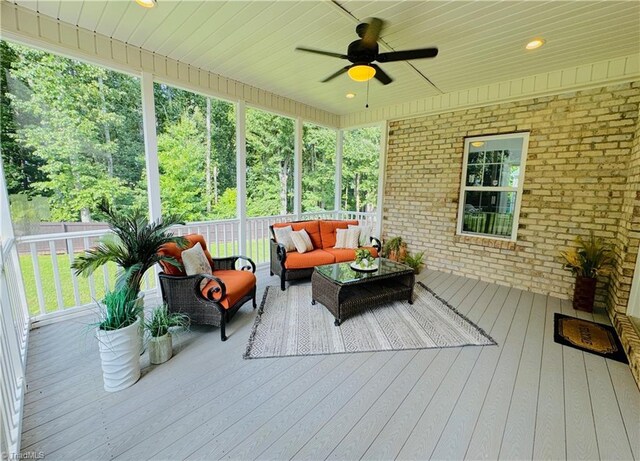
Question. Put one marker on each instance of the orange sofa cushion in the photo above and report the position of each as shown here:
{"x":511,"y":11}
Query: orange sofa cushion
{"x":342,"y":255}
{"x":346,"y":254}
{"x":237,"y":283}
{"x":328,"y":231}
{"x":312,"y":228}
{"x":171,"y":249}
{"x":307,"y":260}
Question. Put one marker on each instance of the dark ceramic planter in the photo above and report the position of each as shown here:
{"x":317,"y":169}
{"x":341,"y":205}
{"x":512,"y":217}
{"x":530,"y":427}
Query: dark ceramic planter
{"x":584,"y":293}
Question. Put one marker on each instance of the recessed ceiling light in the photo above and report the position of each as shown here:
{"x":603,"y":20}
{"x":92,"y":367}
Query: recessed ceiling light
{"x":477,"y":143}
{"x":146,"y":3}
{"x":535,"y":43}
{"x":350,"y":95}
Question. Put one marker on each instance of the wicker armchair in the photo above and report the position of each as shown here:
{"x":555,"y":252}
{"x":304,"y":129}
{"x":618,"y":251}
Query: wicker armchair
{"x":232,"y":284}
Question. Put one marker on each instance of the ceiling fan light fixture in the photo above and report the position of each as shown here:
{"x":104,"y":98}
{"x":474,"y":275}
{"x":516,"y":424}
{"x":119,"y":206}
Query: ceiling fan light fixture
{"x":350,"y":95}
{"x":535,"y":43}
{"x":146,"y":3}
{"x":361,"y":72}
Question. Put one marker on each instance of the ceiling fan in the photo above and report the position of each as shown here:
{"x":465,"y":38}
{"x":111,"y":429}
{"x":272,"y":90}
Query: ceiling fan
{"x":364,"y":52}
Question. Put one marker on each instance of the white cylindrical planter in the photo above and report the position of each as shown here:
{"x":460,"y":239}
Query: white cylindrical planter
{"x":160,"y":349}
{"x":120,"y":356}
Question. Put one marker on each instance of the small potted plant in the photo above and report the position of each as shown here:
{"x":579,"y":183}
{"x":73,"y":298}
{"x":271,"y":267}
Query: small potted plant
{"x":160,"y":344}
{"x":118,"y":334}
{"x":415,"y":261}
{"x":364,"y":260}
{"x":591,"y":258}
{"x":395,"y":249}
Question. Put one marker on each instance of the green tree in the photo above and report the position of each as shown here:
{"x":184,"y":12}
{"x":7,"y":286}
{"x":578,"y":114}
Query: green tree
{"x":21,"y":166}
{"x":81,"y":121}
{"x":270,"y":146}
{"x":181,"y":156}
{"x":318,"y":168}
{"x":360,"y":159}
{"x":217,"y":121}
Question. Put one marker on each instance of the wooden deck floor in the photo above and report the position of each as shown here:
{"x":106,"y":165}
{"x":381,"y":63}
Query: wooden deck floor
{"x":527,"y":398}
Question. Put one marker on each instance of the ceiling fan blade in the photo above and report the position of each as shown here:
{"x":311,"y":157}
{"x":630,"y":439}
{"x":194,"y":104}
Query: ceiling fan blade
{"x":325,"y":53}
{"x":372,"y":32}
{"x":381,"y":75}
{"x":334,"y":75}
{"x":407,"y":55}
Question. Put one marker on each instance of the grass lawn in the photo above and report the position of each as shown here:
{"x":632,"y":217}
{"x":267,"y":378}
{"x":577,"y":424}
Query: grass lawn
{"x":259,"y":252}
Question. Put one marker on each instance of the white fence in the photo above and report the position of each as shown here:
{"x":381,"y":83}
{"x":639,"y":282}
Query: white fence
{"x":55,"y":290}
{"x":14,"y":331}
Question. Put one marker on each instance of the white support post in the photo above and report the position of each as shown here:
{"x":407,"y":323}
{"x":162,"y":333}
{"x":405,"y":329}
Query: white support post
{"x":382,"y":164}
{"x":337,"y":202}
{"x":151,"y":146}
{"x":241,"y":175}
{"x":297,"y":169}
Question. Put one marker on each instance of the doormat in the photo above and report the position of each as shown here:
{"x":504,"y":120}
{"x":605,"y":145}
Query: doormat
{"x":588,"y":336}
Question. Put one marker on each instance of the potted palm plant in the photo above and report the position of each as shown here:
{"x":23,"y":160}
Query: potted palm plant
{"x":591,"y":258}
{"x":133,"y":245}
{"x":160,"y":344}
{"x":118,"y":335}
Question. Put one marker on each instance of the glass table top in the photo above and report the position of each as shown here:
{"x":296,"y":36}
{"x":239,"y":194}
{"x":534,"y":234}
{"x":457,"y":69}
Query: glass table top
{"x":343,"y":274}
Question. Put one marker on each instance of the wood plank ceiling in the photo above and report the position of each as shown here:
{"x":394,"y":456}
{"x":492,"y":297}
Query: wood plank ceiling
{"x":254,"y":41}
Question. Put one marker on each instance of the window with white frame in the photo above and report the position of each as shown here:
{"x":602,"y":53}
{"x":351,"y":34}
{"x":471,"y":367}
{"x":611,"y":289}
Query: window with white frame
{"x":491,"y":186}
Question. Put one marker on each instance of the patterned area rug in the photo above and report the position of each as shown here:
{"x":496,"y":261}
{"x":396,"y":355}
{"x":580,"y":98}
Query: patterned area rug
{"x":289,"y":325}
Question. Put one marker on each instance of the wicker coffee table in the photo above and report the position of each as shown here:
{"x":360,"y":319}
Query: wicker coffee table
{"x":344,"y":291}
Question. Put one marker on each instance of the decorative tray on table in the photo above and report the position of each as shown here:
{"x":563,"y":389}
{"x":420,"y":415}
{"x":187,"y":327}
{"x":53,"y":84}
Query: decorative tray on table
{"x":370,"y":268}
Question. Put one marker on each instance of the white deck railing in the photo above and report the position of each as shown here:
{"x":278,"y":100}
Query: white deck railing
{"x":42,"y":264}
{"x":55,"y":291}
{"x":14,"y":332}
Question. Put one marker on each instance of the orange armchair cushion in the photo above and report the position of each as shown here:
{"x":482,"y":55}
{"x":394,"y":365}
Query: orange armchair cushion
{"x":328,"y":231}
{"x":307,"y":260}
{"x":237,"y":283}
{"x":171,"y":249}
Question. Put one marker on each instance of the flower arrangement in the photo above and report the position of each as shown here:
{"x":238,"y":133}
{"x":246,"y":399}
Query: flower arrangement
{"x":364,"y":258}
{"x":592,"y":257}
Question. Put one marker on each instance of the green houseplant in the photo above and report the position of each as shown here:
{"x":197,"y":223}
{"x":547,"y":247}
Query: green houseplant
{"x":133,"y":245}
{"x":591,"y":258}
{"x":395,"y":249}
{"x":118,"y":334}
{"x":415,"y":261}
{"x":160,"y":344}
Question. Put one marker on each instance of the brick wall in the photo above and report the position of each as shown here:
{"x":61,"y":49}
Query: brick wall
{"x":577,"y":180}
{"x":627,"y":251}
{"x":628,"y":238}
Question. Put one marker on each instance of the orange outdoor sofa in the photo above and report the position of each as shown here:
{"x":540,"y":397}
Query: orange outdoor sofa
{"x":291,"y":265}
